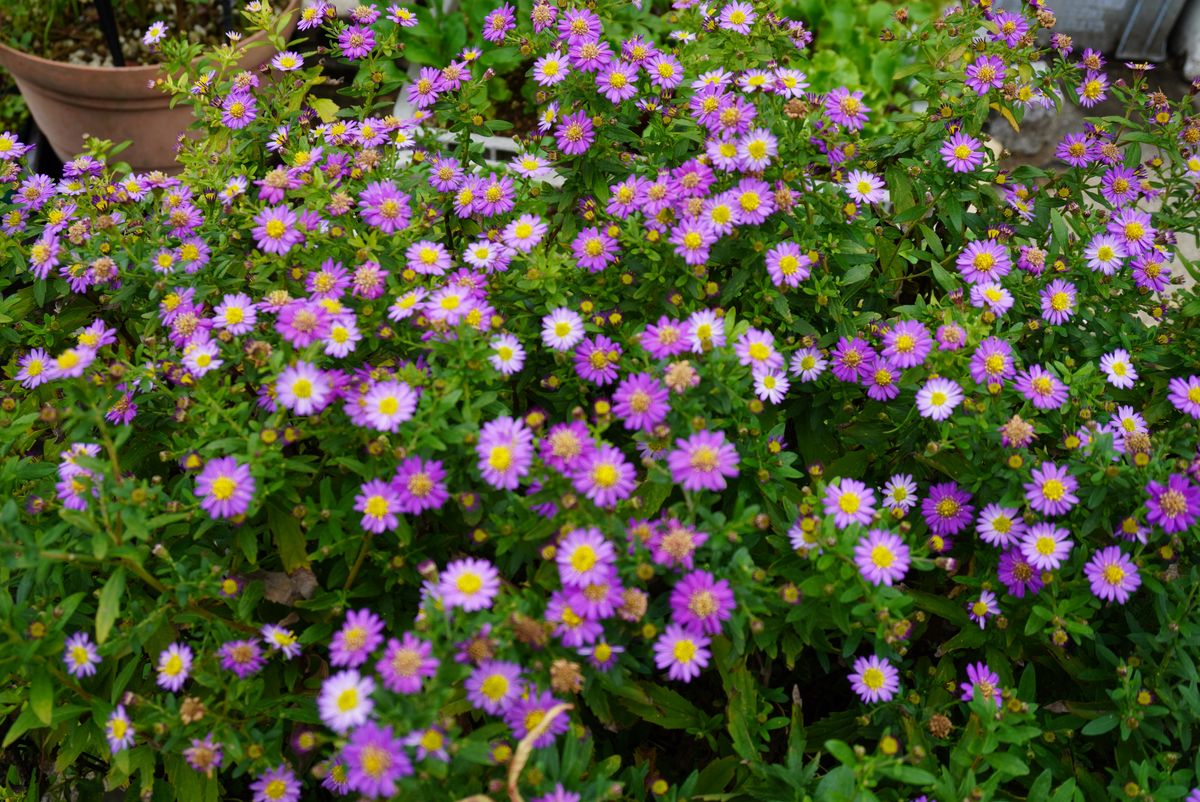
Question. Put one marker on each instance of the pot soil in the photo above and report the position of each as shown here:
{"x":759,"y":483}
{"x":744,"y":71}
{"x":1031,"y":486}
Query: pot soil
{"x":70,"y":102}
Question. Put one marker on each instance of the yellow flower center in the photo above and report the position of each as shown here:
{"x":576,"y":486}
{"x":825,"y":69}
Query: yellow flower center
{"x":494,"y":687}
{"x":223,"y":487}
{"x":685,"y":651}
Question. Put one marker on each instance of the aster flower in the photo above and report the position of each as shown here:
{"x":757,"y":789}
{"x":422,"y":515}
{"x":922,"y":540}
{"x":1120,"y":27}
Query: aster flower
{"x":983,"y":260}
{"x":962,"y":153}
{"x":771,"y":385}
{"x":360,"y":635}
{"x":787,"y":265}
{"x":899,"y":493}
{"x":682,"y":653}
{"x":275,"y":230}
{"x":1046,"y":546}
{"x":1133,"y":230}
{"x":1174,"y":506}
{"x":204,"y":755}
{"x":875,"y":679}
{"x":807,"y":364}
{"x":494,"y":686}
{"x":1092,"y":89}
{"x":594,"y":249}
{"x":850,"y":502}
{"x":992,"y":296}
{"x":375,"y":760}
{"x":692,"y":239}
{"x":864,"y":187}
{"x":498,"y":23}
{"x":1052,"y":491}
{"x":947,"y":509}
{"x":241,"y":657}
{"x":469,"y":583}
{"x":574,"y":133}
{"x":1041,"y":387}
{"x":1184,"y":395}
{"x":1076,"y":150}
{"x":674,"y":544}
{"x":699,"y":602}
{"x":938,"y":399}
{"x":385,"y":207}
{"x":1058,"y":302}
{"x":1018,"y":574}
{"x":1118,"y":369}
{"x":420,"y":485}
{"x":33,"y":368}
{"x":276,"y":785}
{"x":881,"y":556}
{"x":604,"y":476}
{"x":505,"y":451}
{"x":583,"y":557}
{"x":754,"y":201}
{"x":530,"y":711}
{"x":845,"y":108}
{"x":562,"y":329}
{"x":707,"y":331}
{"x":225,"y":488}
{"x":985,"y":73}
{"x":999,"y":526}
{"x":1112,"y":574}
{"x":737,"y":17}
{"x":406,"y":663}
{"x":983,"y":608}
{"x":119,"y":730}
{"x":596,"y":360}
{"x":238,"y":110}
{"x":81,"y":655}
{"x":378,"y":501}
{"x":356,"y":41}
{"x":982,"y":683}
{"x":756,"y":349}
{"x":174,"y":666}
{"x":389,"y":404}
{"x":429,"y":742}
{"x":345,"y":700}
{"x":641,"y":401}
{"x":703,"y":461}
{"x":907,"y":343}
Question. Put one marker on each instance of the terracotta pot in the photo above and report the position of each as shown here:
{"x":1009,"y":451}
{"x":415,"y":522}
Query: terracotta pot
{"x":70,"y":101}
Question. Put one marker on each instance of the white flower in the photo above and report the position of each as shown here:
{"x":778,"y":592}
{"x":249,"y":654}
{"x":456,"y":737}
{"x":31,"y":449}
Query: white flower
{"x":345,"y":700}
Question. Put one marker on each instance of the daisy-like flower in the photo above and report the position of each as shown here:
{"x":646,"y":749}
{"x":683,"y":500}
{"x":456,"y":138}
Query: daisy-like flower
{"x":275,"y":230}
{"x":287,"y":61}
{"x":984,"y":260}
{"x":596,"y":360}
{"x":594,"y":249}
{"x":703,"y":461}
{"x":225,"y":488}
{"x":81,"y":655}
{"x":756,"y":349}
{"x":617,"y":82}
{"x":899,"y":493}
{"x":1058,"y":302}
{"x":430,"y":742}
{"x":562,"y":329}
{"x":641,"y":401}
{"x":1174,"y":506}
{"x":574,"y":133}
{"x":375,"y":760}
{"x":992,"y":362}
{"x":1118,"y":369}
{"x":1046,"y":546}
{"x":154,"y":34}
{"x":1133,"y":230}
{"x":361,"y":634}
{"x":174,"y":666}
{"x":757,"y":148}
{"x":1041,"y":387}
{"x":947,"y":509}
{"x":907,"y":343}
{"x":982,"y":683}
{"x":875,"y":679}
{"x":787,"y":265}
{"x":584,"y":557}
{"x":530,"y":711}
{"x":938,"y":399}
{"x":1092,"y":89}
{"x":850,"y":502}
{"x":507,"y":354}
{"x":469,"y":583}
{"x":1052,"y":491}
{"x":771,"y":385}
{"x":683,"y":653}
{"x":605,"y":476}
{"x":303,"y":388}
{"x":345,"y":701}
{"x":999,"y":526}
{"x":1112,"y":574}
{"x":986,"y":73}
{"x":1184,"y":394}
{"x":34,"y":368}
{"x":281,"y":639}
{"x":846,"y":108}
{"x":356,"y":41}
{"x":692,"y":239}
{"x":882,"y":557}
{"x":505,"y":451}
{"x":494,"y":686}
{"x":864,"y":187}
{"x":962,"y":153}
{"x":236,"y":314}
{"x":737,"y":17}
{"x":983,"y":608}
{"x":204,"y":755}
{"x":1105,"y":254}
{"x":807,"y":364}
{"x":118,"y":729}
{"x":1018,"y":574}
{"x":524,"y":233}
{"x":707,"y":331}
{"x":701,"y":602}
{"x":406,"y":663}
{"x":378,"y":501}
{"x":241,"y":657}
{"x":276,"y":785}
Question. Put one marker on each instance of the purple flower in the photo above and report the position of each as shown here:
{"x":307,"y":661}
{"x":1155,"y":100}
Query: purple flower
{"x":845,"y":108}
{"x":881,"y":556}
{"x":682,"y":652}
{"x":242,"y":657}
{"x":737,"y":17}
{"x":664,"y":70}
{"x":1076,"y":150}
{"x":641,"y":401}
{"x":596,"y":360}
{"x":703,"y":461}
{"x":982,"y":683}
{"x":382,"y":205}
{"x":1058,"y":302}
{"x":81,"y":655}
{"x":982,"y":608}
{"x":303,"y":323}
{"x":379,"y":503}
{"x":947,"y":509}
{"x":1018,"y":574}
{"x":505,"y":451}
{"x":1184,"y":395}
{"x":204,"y":755}
{"x":853,"y":360}
{"x":276,"y":785}
{"x":469,"y":583}
{"x":360,"y":635}
{"x":275,"y":230}
{"x":584,"y":557}
{"x":375,"y":759}
{"x":692,"y":239}
{"x":962,"y":153}
{"x":345,"y":700}
{"x":999,"y":526}
{"x":1052,"y":491}
{"x":850,"y":502}
{"x":225,"y":488}
{"x":1175,"y":506}
{"x":983,"y":260}
{"x":618,"y":82}
{"x":875,"y":679}
{"x":699,"y":602}
{"x":1152,"y":271}
{"x":864,"y":187}
{"x":405,"y":663}
{"x":420,"y":485}
{"x":1113,"y":575}
{"x":174,"y":665}
{"x":1046,"y":546}
{"x":992,"y":362}
{"x":594,"y":249}
{"x":498,"y":23}
{"x":356,"y":41}
{"x":756,"y":350}
{"x":119,"y":730}
{"x":939,"y":398}
{"x":1133,"y":229}
{"x":528,"y":712}
{"x":986,"y":73}
{"x":1041,"y":388}
{"x":575,"y":133}
{"x":238,"y":110}
{"x":1092,"y":89}
{"x":494,"y":686}
{"x":907,"y":343}
{"x":604,"y":476}
{"x":787,"y":265}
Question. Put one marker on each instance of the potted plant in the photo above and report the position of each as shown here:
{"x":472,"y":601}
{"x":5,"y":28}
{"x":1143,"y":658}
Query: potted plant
{"x":86,"y":75}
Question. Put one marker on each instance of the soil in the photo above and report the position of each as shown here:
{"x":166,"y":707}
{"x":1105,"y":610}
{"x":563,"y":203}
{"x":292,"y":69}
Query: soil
{"x":78,"y":39}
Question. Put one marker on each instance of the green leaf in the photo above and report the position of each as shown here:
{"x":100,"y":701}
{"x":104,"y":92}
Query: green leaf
{"x":110,"y":604}
{"x":1099,"y":726}
{"x":837,"y":786}
{"x":25,"y":722}
{"x":856,"y":274}
{"x":41,"y":696}
{"x":289,"y":539}
{"x":1007,"y":763}
{"x":911,"y":775}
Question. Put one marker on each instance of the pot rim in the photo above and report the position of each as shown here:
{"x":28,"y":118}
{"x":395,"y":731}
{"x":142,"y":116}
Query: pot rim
{"x":147,"y":70}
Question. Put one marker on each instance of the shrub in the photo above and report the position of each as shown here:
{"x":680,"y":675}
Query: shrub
{"x":734,"y":441}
